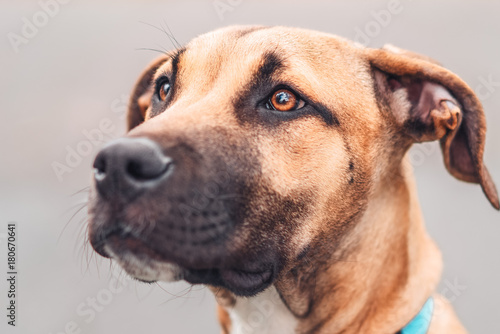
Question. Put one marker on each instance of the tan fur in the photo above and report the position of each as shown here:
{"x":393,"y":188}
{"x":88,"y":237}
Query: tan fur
{"x":224,"y":320}
{"x":371,"y":265}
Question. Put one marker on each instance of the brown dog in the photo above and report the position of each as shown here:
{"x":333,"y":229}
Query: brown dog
{"x":269,"y":164}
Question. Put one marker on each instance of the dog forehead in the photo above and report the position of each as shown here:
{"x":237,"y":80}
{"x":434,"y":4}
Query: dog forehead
{"x":236,"y":51}
{"x":227,"y":58}
{"x":237,"y":43}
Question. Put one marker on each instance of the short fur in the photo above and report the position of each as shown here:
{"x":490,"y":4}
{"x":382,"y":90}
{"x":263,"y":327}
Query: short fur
{"x":321,"y":199}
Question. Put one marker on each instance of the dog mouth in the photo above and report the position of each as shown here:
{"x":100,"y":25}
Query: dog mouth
{"x":144,"y":263}
{"x":241,"y":282}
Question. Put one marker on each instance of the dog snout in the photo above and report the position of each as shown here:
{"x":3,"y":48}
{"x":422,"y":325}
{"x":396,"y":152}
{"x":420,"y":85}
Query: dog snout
{"x":127,"y":166}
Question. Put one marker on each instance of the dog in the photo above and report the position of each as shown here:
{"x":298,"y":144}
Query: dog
{"x":270,"y":164}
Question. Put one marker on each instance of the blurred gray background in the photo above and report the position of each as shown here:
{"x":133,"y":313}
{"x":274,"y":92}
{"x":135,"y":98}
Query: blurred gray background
{"x":75,"y":71}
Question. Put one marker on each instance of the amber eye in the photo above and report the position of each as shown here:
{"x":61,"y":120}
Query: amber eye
{"x":163,"y":88}
{"x":284,"y":100}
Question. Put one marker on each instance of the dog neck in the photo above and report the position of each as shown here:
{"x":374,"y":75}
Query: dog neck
{"x":379,"y":276}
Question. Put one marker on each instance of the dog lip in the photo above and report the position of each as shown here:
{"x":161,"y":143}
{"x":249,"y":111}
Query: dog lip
{"x":240,"y":282}
{"x":126,"y":242}
{"x":100,"y":240}
{"x":245,"y":280}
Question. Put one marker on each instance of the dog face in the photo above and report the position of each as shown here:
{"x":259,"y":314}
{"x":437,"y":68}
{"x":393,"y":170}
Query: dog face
{"x":252,"y":146}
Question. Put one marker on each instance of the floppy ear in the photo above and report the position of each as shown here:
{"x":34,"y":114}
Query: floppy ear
{"x":431,"y":103}
{"x":140,"y":99}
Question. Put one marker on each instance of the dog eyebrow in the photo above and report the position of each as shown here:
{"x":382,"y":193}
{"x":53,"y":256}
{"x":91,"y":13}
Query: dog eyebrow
{"x":271,"y":63}
{"x":176,"y":57}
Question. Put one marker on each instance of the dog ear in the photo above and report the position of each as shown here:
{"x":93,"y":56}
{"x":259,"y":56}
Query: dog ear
{"x":431,"y":103}
{"x":140,"y":99}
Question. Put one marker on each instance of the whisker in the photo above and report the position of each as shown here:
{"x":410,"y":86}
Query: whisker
{"x":151,"y":289}
{"x":182,"y":294}
{"x":173,"y":40}
{"x":72,"y":207}
{"x":84,"y":205}
{"x":84,"y":189}
{"x":169,"y":33}
{"x":149,"y":49}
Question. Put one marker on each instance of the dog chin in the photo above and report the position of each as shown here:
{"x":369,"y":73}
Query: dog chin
{"x":146,"y":270}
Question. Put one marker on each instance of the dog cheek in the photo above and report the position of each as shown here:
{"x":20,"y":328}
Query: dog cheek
{"x":277,"y":222}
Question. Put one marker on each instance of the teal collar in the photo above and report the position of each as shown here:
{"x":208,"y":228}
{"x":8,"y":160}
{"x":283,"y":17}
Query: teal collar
{"x":420,"y":324}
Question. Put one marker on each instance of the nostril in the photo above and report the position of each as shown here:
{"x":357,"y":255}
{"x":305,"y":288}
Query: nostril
{"x":147,"y":169}
{"x":127,"y":166}
{"x":135,"y":170}
{"x":99,"y":168}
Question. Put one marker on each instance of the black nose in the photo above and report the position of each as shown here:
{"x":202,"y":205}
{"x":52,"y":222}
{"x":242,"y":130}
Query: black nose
{"x":127,"y":166}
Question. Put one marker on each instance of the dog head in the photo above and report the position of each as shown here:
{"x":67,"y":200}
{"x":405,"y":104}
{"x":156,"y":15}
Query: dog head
{"x":251,"y":143}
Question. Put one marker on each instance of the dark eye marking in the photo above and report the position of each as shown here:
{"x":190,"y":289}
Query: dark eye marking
{"x":271,"y":64}
{"x":260,"y":92}
{"x":165,"y":86}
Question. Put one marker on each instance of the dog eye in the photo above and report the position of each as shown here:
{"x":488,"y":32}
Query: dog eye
{"x":162,"y":89}
{"x":284,"y":100}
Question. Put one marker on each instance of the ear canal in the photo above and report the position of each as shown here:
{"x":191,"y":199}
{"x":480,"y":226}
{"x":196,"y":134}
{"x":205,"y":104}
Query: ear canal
{"x":431,"y":103}
{"x":140,"y":99}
